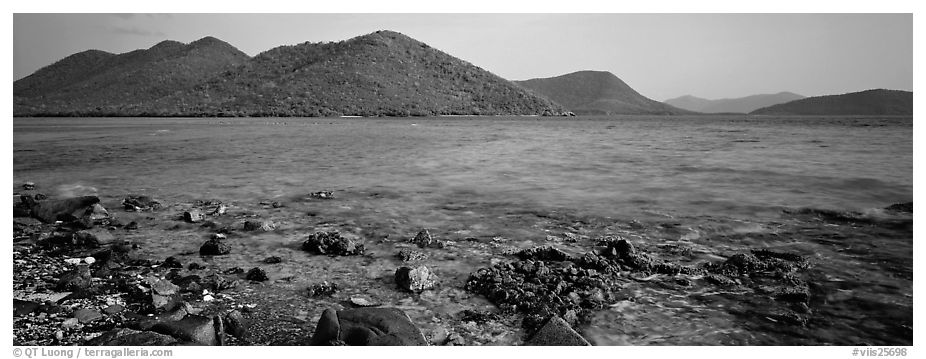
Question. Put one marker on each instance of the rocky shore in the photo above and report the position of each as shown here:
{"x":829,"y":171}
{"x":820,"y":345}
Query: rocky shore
{"x":78,"y":280}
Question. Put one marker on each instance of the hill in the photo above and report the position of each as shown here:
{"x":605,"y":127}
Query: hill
{"x":383,"y":73}
{"x":732,"y":105}
{"x":865,"y":103}
{"x":597,"y":93}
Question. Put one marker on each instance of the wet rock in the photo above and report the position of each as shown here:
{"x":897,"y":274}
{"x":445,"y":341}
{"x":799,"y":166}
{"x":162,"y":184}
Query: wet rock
{"x":322,"y":195}
{"x":799,"y":294}
{"x":66,"y":210}
{"x":556,"y":332}
{"x":477,"y":317}
{"x":331,"y":243}
{"x":113,"y":309}
{"x":265,"y":226}
{"x":322,"y":289}
{"x":901,"y":207}
{"x":128,"y":337}
{"x":171,"y":262}
{"x":544,"y":253}
{"x":235,"y":324}
{"x":75,"y":280}
{"x":140,"y":203}
{"x":256,"y":274}
{"x":22,"y":308}
{"x":192,"y":328}
{"x":131,"y":226}
{"x":28,"y":186}
{"x":414,"y":279}
{"x":367,"y":327}
{"x":214,"y":247}
{"x":273,"y":260}
{"x":85,"y":315}
{"x":408,"y":255}
{"x":193,"y":216}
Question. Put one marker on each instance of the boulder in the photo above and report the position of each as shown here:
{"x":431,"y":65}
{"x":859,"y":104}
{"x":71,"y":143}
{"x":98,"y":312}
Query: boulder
{"x":256,"y":274}
{"x":66,"y":210}
{"x":75,"y":280}
{"x":96,"y":236}
{"x":235,"y":324}
{"x":414,"y":279}
{"x":367,"y":327}
{"x":214,"y":247}
{"x":128,"y":337}
{"x":556,"y":332}
{"x":164,"y":294}
{"x":193,"y":216}
{"x":196,"y":329}
{"x":331,"y":243}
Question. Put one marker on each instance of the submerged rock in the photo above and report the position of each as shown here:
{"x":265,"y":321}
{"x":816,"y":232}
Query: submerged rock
{"x":214,"y":247}
{"x":367,"y":327}
{"x":556,"y":332}
{"x":331,"y":243}
{"x":414,"y":279}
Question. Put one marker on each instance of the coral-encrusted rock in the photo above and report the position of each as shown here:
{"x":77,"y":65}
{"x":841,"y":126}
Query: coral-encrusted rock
{"x":66,"y":210}
{"x":214,"y":247}
{"x":367,"y":327}
{"x":128,"y":337}
{"x":75,"y":280}
{"x":331,"y":243}
{"x":256,"y":274}
{"x":414,"y":279}
{"x":139,"y":203}
{"x":556,"y":332}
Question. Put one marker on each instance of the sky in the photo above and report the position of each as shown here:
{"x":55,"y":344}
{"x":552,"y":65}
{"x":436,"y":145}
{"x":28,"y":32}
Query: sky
{"x":662,"y":56}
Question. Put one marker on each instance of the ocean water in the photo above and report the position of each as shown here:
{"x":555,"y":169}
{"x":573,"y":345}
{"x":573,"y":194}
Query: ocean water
{"x":714,"y":186}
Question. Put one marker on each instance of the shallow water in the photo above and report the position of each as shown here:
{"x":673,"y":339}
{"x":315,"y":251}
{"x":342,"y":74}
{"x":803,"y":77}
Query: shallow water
{"x":712,"y":186}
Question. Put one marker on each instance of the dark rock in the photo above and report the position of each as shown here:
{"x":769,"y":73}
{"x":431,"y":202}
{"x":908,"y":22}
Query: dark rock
{"x":195,"y":266}
{"x":720,"y":280}
{"x":265,"y":226}
{"x":273,"y":260}
{"x":423,"y":239}
{"x":556,"y":332}
{"x":128,"y":337}
{"x":322,"y":195}
{"x":75,"y":280}
{"x":218,"y":283}
{"x":85,"y":315}
{"x":233,"y":270}
{"x":164,"y":294}
{"x":477,"y":316}
{"x":414,"y":279}
{"x":367,"y":327}
{"x":113,"y":309}
{"x":901,"y":207}
{"x":256,"y":274}
{"x":408,"y":255}
{"x":192,"y":328}
{"x":189,"y":284}
{"x":331,"y":243}
{"x":322,"y":289}
{"x":794,"y":294}
{"x":172,"y":262}
{"x":214,"y":247}
{"x":544,"y":253}
{"x":93,"y":237}
{"x":235,"y":324}
{"x":28,"y":186}
{"x":193,"y":216}
{"x":22,"y":308}
{"x":140,"y":203}
{"x":276,"y":205}
{"x":131,"y":226}
{"x":66,"y":210}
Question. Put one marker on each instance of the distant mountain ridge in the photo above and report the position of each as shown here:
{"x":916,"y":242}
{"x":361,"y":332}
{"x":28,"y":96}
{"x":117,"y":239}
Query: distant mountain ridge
{"x":732,"y":105}
{"x":598,"y":93}
{"x":382,"y":73}
{"x":864,"y":103}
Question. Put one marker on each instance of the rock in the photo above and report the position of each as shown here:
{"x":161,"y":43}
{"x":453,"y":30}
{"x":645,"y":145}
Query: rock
{"x":140,"y":203}
{"x":85,"y":315}
{"x":70,"y":323}
{"x":214,"y":247}
{"x":28,"y":186}
{"x":363,"y":301}
{"x":75,"y":280}
{"x":423,"y":239}
{"x":219,"y":236}
{"x":235,"y":324}
{"x":171,"y":262}
{"x":322,"y":289}
{"x":906,"y":207}
{"x":165,"y":295}
{"x":556,"y":332}
{"x":256,"y":274}
{"x":414,"y":279}
{"x":22,"y":308}
{"x":273,"y":260}
{"x":408,"y":255}
{"x":113,"y":309}
{"x":331,"y":243}
{"x":322,"y":195}
{"x":367,"y":327}
{"x":128,"y":337}
{"x":265,"y":226}
{"x":543,"y":253}
{"x":192,"y":328}
{"x":131,"y":226}
{"x":93,"y":237}
{"x":195,"y":266}
{"x":276,"y":205}
{"x":193,"y":216}
{"x":220,"y":210}
{"x":66,"y":210}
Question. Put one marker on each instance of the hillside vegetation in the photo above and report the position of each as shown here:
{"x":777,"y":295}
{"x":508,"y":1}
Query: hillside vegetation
{"x":864,"y":103}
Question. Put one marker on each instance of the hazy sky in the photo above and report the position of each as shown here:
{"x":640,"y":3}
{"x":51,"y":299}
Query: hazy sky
{"x":660,"y":55}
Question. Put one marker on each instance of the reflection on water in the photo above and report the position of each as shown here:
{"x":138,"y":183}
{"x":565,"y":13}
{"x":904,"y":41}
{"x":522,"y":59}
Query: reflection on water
{"x":692,"y":189}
